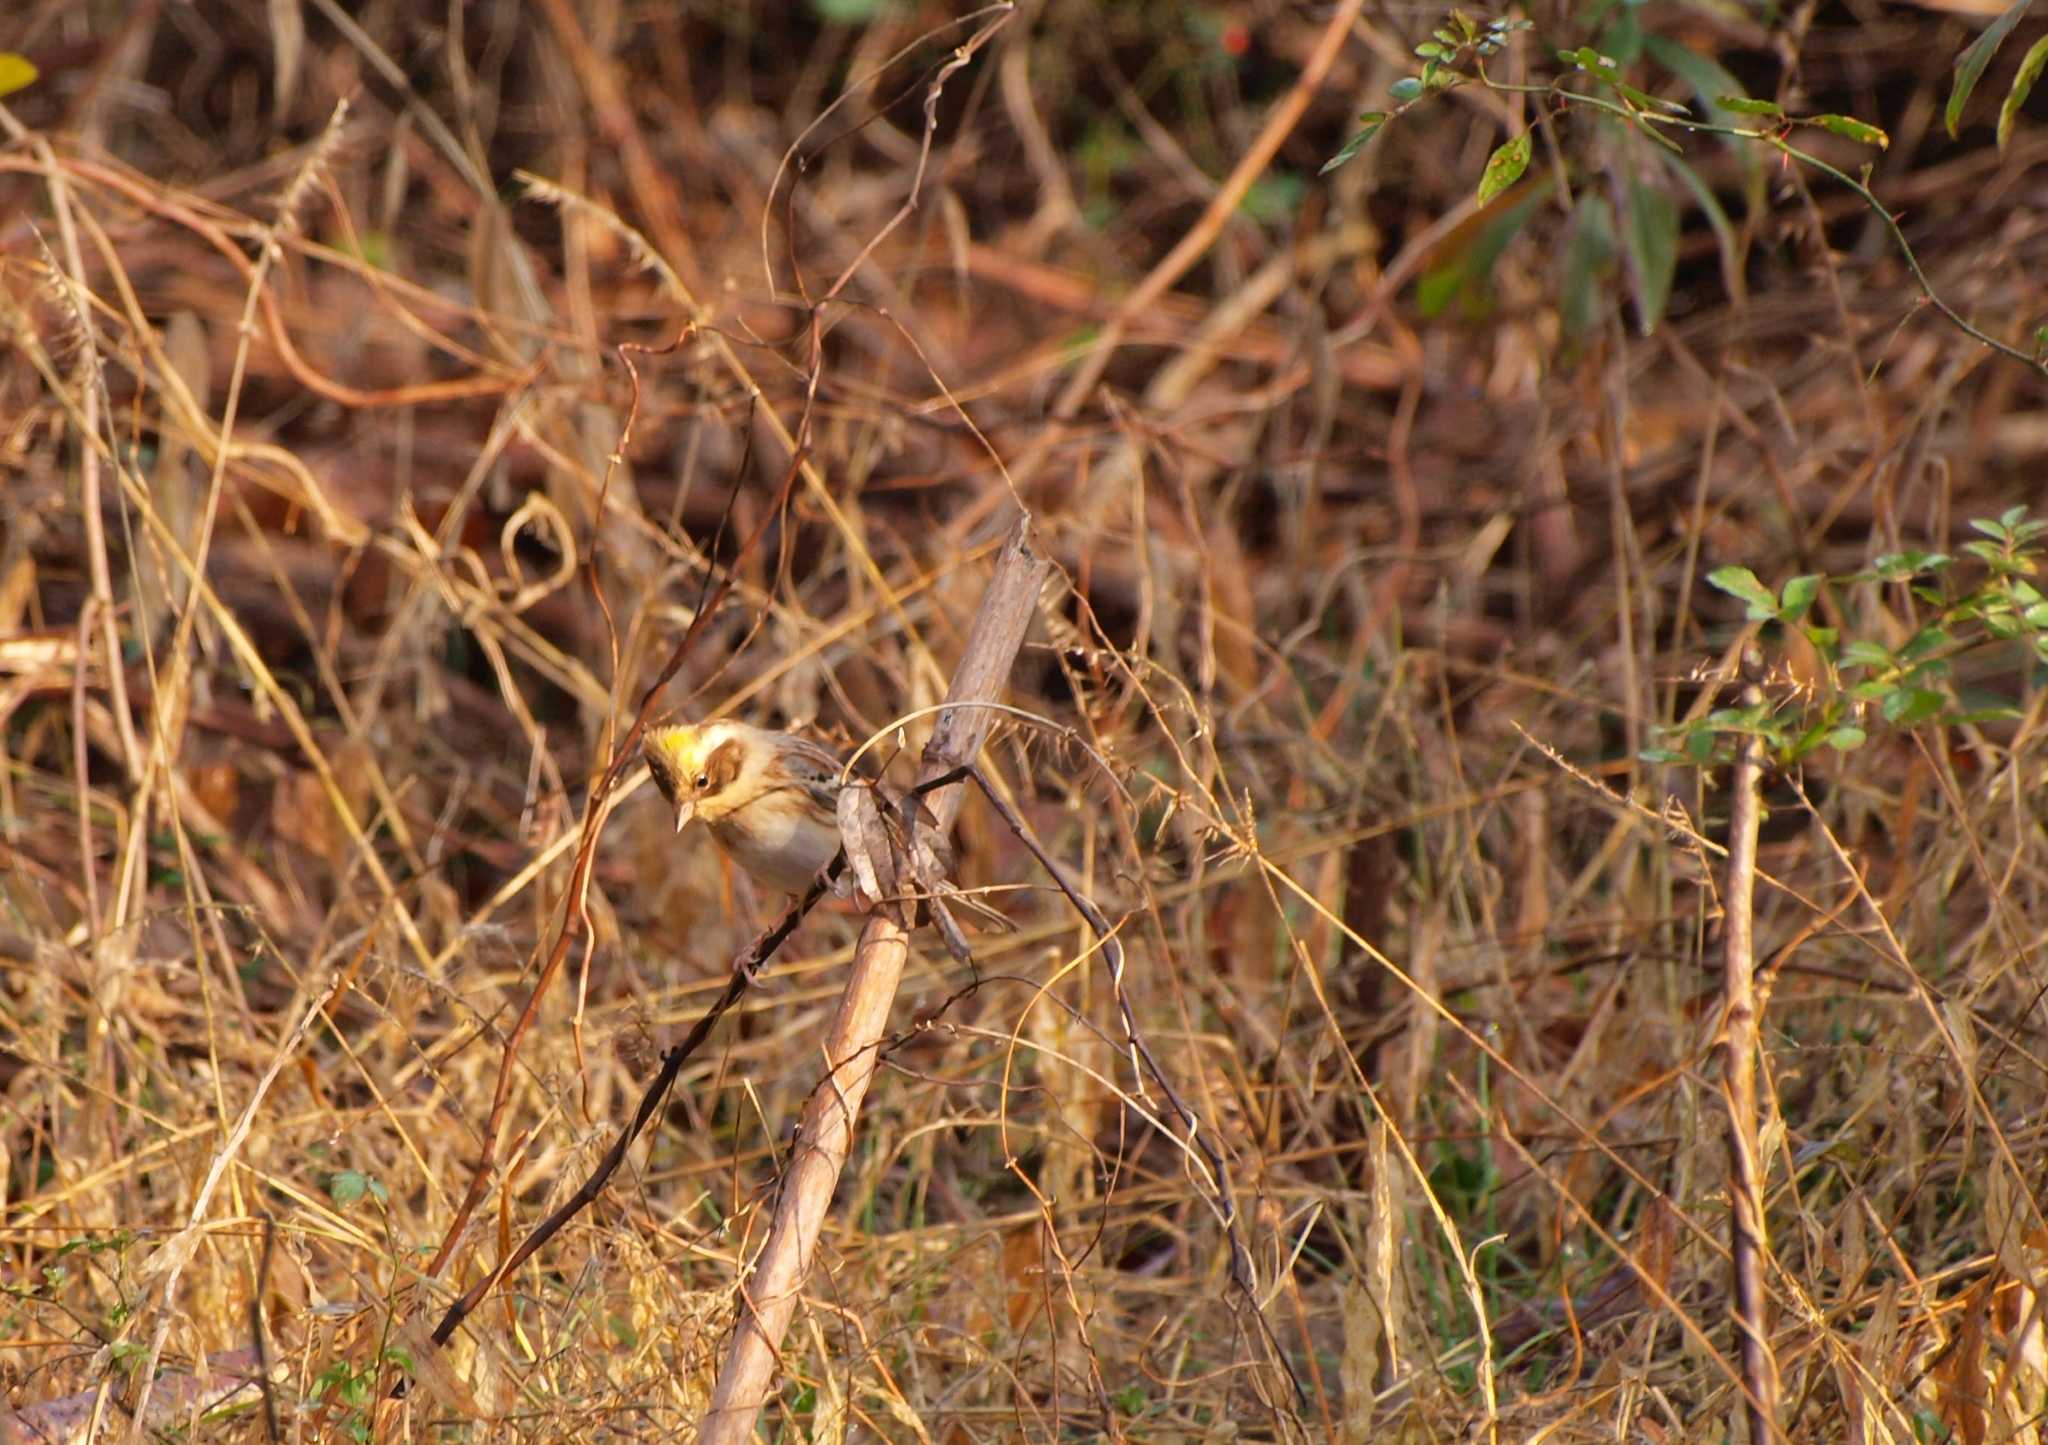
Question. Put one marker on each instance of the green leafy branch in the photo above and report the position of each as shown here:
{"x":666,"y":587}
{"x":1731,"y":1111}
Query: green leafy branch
{"x":1861,"y":678}
{"x":1456,"y":42}
{"x":1457,"y":53}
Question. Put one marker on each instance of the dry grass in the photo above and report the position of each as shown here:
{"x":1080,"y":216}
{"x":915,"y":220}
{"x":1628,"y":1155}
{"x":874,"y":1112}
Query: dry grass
{"x":311,"y":448}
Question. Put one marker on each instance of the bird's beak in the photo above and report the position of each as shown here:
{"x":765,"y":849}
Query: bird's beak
{"x":685,"y":810}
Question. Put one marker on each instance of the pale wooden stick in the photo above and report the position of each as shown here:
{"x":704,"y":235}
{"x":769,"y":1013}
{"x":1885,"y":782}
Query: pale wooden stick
{"x":769,"y":1296}
{"x":1749,"y":1241}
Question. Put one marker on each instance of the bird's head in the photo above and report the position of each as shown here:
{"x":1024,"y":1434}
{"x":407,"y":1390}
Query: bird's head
{"x":698,"y":767}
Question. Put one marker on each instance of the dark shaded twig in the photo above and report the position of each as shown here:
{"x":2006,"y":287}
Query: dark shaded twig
{"x":745,"y":969}
{"x":258,"y":1342}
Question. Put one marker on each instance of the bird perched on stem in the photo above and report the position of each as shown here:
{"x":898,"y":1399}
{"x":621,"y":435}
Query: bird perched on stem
{"x":776,"y":805}
{"x":770,"y":799}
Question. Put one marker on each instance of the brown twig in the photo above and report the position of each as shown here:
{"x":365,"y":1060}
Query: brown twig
{"x":769,"y":1295}
{"x":1749,"y":1245}
{"x":259,"y":1341}
{"x":1225,"y":1206}
{"x":1198,"y":1140}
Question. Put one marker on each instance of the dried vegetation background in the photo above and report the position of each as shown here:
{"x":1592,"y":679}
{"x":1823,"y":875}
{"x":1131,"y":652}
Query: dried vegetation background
{"x":1369,"y":613}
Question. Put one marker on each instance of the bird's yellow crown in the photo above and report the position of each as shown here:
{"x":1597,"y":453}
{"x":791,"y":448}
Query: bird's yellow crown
{"x":708,"y":770}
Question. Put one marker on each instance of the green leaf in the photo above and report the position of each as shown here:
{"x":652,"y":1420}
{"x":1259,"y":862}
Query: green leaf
{"x":1465,"y":272}
{"x":1798,"y":596}
{"x":1369,"y":124}
{"x":1708,"y":79}
{"x":1274,"y":196}
{"x":1437,"y":289}
{"x":348,"y":1186}
{"x":1927,"y":640}
{"x":1652,"y":131}
{"x":1740,"y":582}
{"x":1725,"y":239}
{"x":16,"y":72}
{"x":1700,"y":745}
{"x":1743,"y":105}
{"x":1981,"y":704}
{"x":1621,"y":38}
{"x":1898,"y":566}
{"x":1908,"y":705}
{"x":1504,"y":167}
{"x":1865,"y":653}
{"x":1407,"y":88}
{"x":1846,"y":738}
{"x":850,"y":12}
{"x":1859,"y":131}
{"x":1651,"y":239}
{"x":1805,"y":743}
{"x":1588,"y":256}
{"x":1587,"y":58}
{"x":1740,"y":719}
{"x":1643,"y":100}
{"x":1971,"y":63}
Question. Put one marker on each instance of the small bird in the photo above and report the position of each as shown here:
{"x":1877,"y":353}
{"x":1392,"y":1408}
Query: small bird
{"x":771,"y":800}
